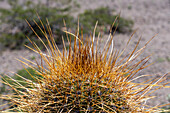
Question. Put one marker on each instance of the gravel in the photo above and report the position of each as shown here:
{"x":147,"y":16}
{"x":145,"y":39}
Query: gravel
{"x":150,"y":17}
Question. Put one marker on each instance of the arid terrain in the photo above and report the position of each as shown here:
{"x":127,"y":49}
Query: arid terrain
{"x":150,"y":17}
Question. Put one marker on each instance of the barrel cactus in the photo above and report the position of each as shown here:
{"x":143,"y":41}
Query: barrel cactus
{"x":83,"y":78}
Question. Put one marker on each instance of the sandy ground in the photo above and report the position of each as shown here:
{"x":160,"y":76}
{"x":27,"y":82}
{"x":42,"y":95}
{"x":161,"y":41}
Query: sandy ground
{"x":149,"y":16}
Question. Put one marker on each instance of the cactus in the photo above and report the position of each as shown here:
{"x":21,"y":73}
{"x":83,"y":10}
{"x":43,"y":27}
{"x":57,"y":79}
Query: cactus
{"x":84,"y":79}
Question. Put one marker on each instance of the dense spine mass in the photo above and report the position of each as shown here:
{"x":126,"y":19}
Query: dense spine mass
{"x":84,"y":78}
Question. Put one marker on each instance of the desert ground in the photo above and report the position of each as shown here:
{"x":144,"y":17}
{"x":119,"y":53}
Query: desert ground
{"x":150,"y":17}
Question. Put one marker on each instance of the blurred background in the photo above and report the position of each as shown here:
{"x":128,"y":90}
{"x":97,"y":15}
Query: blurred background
{"x":148,"y":16}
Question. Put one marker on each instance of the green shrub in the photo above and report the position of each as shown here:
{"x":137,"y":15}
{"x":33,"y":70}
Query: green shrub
{"x":4,"y":89}
{"x":14,"y":37}
{"x":24,"y":73}
{"x":104,"y":17}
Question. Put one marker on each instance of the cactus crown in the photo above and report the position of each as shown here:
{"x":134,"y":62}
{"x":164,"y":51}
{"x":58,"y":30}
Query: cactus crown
{"x":84,"y":78}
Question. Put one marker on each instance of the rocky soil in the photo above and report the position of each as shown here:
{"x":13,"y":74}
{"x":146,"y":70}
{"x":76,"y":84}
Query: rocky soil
{"x":150,"y":17}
